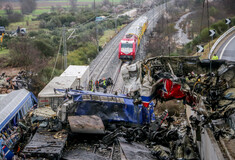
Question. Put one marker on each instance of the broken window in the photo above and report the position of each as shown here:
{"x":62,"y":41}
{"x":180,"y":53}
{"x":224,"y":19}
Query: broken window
{"x":86,"y":97}
{"x":104,"y":98}
{"x":95,"y":98}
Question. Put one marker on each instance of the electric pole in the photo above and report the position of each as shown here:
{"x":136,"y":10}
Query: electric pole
{"x":96,"y":29}
{"x":65,"y":48}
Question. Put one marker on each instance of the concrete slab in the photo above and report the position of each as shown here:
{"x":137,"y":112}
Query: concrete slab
{"x":86,"y":124}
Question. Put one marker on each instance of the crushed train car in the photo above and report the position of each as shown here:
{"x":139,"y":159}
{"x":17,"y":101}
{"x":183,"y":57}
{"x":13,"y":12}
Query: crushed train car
{"x":207,"y":87}
{"x":172,"y":77}
{"x":13,"y":108}
{"x":82,"y":112}
{"x":109,"y":107}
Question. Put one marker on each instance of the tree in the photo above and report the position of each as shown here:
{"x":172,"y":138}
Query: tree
{"x":230,"y":4}
{"x":45,"y":47}
{"x":28,"y":6}
{"x":73,"y":5}
{"x":8,"y":9}
{"x":82,"y":55}
{"x":105,"y":2}
{"x":24,"y":54}
{"x":4,"y":21}
{"x":15,"y":17}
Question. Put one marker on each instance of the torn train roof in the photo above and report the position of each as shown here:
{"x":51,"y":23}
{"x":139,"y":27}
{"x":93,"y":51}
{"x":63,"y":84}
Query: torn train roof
{"x":64,"y":82}
{"x":75,"y":70}
{"x":12,"y":103}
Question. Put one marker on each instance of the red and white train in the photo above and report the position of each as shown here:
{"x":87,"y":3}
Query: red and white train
{"x":129,"y":44}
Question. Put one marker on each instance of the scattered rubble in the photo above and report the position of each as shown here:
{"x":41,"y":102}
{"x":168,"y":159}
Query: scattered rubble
{"x":20,"y":81}
{"x":104,"y":126}
{"x":206,"y":86}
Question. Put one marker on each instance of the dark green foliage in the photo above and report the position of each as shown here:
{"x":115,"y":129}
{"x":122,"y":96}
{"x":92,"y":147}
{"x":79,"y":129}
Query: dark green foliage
{"x":45,"y":47}
{"x":82,"y":56}
{"x":28,"y":6}
{"x":15,"y":17}
{"x":220,"y":27}
{"x":233,"y":21}
{"x":46,"y":16}
{"x":4,"y":21}
{"x":33,"y":34}
{"x":66,"y":19}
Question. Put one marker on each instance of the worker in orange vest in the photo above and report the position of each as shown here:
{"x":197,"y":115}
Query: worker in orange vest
{"x":97,"y":85}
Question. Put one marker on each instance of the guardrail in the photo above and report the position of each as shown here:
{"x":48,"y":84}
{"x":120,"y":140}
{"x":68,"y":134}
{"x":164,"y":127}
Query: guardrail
{"x":219,"y":39}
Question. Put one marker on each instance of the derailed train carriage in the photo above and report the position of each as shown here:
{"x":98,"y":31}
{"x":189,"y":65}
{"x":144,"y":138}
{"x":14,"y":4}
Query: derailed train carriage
{"x":109,"y":107}
{"x":13,"y":108}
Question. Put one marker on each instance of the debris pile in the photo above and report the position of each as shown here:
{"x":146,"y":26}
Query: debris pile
{"x":208,"y":87}
{"x":167,"y":138}
{"x":20,"y":81}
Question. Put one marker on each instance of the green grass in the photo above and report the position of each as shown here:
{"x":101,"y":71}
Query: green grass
{"x":108,"y":34}
{"x":40,"y":11}
{"x":33,"y":25}
{"x":106,"y":37}
{"x":4,"y":51}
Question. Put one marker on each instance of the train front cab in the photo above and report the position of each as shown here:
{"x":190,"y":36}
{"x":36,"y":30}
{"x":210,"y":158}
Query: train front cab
{"x":127,"y":51}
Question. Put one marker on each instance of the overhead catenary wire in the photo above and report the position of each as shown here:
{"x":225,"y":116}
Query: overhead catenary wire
{"x":90,"y":20}
{"x":56,"y":58}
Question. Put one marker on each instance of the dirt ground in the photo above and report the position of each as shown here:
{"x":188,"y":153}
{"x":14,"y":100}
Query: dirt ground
{"x":10,"y":71}
{"x":230,"y":146}
{"x":174,"y":107}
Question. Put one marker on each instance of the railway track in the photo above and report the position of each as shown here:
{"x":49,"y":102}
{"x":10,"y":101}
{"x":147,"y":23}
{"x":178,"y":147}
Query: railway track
{"x":107,"y":64}
{"x":105,"y":56}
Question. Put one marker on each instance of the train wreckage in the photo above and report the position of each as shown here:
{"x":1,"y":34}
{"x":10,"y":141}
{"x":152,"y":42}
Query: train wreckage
{"x":105,"y":126}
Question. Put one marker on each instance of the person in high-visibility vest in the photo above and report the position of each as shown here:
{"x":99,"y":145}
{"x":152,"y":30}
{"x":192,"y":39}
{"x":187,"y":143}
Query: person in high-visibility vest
{"x":104,"y":85}
{"x":91,"y":86}
{"x":97,"y":85}
{"x":215,"y":57}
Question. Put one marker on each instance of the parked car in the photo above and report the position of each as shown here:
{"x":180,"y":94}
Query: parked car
{"x":2,"y":30}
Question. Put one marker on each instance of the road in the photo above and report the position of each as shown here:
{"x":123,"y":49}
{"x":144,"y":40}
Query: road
{"x":226,"y":50}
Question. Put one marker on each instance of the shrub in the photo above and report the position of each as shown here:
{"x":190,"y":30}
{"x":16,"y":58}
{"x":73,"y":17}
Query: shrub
{"x":4,"y":21}
{"x":33,"y":34}
{"x":15,"y":17}
{"x":44,"y":47}
{"x":220,"y":27}
{"x":42,"y":24}
{"x":82,"y":54}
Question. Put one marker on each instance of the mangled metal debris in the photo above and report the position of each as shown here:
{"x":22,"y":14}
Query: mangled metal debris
{"x":206,"y":86}
{"x":120,"y":126}
{"x":46,"y":144}
{"x":20,"y":81}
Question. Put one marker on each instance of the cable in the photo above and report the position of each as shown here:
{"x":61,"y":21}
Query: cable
{"x":56,"y":58}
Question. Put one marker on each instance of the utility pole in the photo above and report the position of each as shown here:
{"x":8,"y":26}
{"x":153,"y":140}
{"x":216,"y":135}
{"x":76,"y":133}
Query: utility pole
{"x":115,"y":20}
{"x":116,"y":23}
{"x":96,"y":29}
{"x":65,"y":48}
